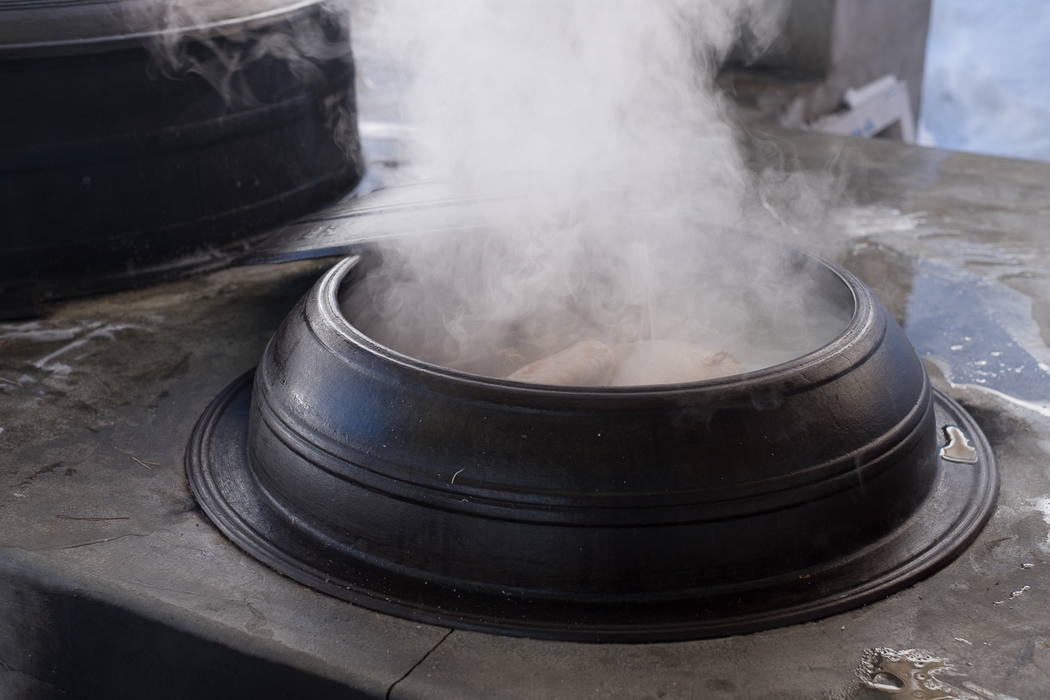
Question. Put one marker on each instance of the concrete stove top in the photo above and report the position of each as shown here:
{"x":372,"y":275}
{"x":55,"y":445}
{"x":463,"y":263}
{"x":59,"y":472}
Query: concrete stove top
{"x":114,"y":584}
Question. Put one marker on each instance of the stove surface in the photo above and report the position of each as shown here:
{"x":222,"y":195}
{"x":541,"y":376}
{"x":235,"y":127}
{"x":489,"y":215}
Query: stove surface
{"x":113,"y":582}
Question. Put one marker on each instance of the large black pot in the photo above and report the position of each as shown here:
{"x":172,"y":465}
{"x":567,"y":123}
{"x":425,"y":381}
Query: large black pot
{"x":137,"y":145}
{"x":642,"y":513}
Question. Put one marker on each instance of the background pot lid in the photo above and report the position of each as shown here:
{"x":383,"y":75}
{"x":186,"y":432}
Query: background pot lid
{"x":34,"y":27}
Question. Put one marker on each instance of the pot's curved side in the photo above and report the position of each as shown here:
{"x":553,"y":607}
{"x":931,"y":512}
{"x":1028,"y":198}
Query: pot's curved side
{"x":221,"y":478}
{"x":130,"y":162}
{"x":596,"y":493}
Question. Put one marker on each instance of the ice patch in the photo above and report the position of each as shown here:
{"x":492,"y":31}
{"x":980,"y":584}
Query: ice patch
{"x":858,"y":222}
{"x":1042,"y":505}
{"x":61,"y":369}
{"x":35,"y":331}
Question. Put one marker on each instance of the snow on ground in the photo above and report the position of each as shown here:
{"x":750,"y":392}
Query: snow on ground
{"x":986,"y":87}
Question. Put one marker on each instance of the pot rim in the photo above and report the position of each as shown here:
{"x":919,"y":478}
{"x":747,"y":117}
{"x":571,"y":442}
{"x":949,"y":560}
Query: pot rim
{"x":71,"y":29}
{"x":856,"y":330}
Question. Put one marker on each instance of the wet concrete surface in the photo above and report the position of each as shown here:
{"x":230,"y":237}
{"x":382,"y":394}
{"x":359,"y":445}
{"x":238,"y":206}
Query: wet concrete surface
{"x":114,"y":584}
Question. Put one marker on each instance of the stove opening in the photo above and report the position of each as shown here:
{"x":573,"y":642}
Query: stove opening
{"x":615,"y":323}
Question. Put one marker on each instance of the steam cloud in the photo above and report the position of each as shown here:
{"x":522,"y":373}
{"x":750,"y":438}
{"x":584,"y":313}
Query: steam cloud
{"x":244,"y":57}
{"x":602,"y":116}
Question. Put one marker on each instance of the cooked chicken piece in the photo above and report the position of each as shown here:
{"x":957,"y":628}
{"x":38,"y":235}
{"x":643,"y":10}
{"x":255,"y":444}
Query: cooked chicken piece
{"x":669,"y":362}
{"x":587,"y":363}
{"x":492,"y":362}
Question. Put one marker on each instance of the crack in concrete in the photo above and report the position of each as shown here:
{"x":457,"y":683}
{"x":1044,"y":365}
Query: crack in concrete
{"x":417,"y":664}
{"x":92,"y":542}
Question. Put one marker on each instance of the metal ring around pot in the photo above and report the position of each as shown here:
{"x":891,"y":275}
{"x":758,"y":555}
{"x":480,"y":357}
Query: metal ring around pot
{"x":491,"y":505}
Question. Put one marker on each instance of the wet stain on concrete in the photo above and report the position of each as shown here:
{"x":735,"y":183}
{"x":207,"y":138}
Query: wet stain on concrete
{"x":1024,"y":657}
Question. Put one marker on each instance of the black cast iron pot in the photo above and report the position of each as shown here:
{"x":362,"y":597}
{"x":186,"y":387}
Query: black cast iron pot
{"x":603,"y":514}
{"x":142,"y":140}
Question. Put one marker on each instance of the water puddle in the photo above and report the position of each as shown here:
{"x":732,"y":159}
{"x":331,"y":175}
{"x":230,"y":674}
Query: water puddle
{"x":980,"y":333}
{"x":918,"y":674}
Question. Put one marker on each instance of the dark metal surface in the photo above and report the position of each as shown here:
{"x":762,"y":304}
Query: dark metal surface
{"x":654,"y":513}
{"x":120,"y":166}
{"x":64,"y":27}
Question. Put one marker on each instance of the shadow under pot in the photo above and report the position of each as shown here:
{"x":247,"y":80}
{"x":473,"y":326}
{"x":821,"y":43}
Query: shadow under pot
{"x":646,"y":513}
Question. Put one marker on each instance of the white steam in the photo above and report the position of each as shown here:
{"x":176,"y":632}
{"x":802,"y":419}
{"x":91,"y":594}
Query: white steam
{"x":630,"y":185}
{"x":218,"y":42}
{"x":593,"y":94}
{"x":270,"y":53}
